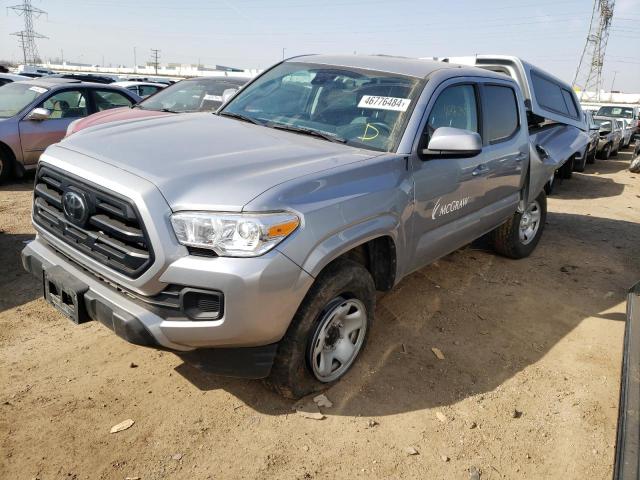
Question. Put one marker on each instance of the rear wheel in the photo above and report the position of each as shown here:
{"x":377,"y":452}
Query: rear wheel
{"x":519,"y":236}
{"x":6,"y":167}
{"x":566,"y":171}
{"x":327,"y":333}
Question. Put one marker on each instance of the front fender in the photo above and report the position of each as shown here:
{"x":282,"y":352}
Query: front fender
{"x":340,"y":242}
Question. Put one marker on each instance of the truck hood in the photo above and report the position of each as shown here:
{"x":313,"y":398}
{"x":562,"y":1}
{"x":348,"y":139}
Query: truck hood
{"x":203,"y":161}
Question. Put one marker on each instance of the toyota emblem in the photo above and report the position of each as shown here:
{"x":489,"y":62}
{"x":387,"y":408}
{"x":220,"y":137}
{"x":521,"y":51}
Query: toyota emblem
{"x":75,"y":207}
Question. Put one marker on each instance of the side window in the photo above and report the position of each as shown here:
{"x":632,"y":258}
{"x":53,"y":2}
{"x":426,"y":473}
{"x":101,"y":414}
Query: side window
{"x":455,"y":107}
{"x":107,"y":99}
{"x":571,"y":105}
{"x":146,"y":90}
{"x":549,"y":94}
{"x":67,"y":104}
{"x":500,"y":113}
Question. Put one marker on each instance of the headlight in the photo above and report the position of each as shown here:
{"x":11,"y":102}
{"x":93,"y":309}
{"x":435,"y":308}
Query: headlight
{"x":233,"y":234}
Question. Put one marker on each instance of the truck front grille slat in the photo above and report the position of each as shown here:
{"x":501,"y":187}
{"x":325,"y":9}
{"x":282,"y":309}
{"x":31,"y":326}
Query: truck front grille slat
{"x":112,"y":232}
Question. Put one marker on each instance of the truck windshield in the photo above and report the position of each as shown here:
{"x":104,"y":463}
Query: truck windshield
{"x":617,"y":112}
{"x":17,"y":95}
{"x":363,"y":108}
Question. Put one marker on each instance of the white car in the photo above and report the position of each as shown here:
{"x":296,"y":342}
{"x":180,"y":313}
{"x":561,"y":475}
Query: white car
{"x":11,"y":77}
{"x":142,"y":89}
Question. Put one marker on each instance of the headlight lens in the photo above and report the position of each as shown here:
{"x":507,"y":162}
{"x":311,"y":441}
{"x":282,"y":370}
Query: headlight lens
{"x":234,"y":234}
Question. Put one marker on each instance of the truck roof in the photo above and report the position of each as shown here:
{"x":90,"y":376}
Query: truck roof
{"x":412,"y":67}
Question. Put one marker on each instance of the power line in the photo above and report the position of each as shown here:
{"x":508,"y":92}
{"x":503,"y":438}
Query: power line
{"x":589,"y":71}
{"x":28,"y":35}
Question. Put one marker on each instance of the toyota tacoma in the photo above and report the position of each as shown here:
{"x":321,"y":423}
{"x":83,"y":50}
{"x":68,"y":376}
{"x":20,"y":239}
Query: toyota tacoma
{"x":261,"y":233}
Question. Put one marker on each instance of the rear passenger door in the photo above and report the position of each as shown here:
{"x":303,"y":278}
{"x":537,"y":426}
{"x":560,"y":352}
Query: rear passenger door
{"x":65,"y":107}
{"x":505,"y":142}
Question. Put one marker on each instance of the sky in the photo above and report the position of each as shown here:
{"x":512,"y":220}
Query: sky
{"x":253,"y":33}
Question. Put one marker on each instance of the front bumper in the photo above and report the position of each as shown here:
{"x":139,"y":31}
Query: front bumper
{"x":261,"y":296}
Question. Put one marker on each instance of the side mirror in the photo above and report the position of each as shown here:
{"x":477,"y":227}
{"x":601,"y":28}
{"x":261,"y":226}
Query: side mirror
{"x":228,"y":93}
{"x":456,"y":142}
{"x":39,"y":114}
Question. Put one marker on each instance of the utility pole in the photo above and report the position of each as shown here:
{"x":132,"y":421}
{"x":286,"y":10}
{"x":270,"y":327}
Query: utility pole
{"x":28,"y":35}
{"x":615,"y":72}
{"x":589,"y":72}
{"x":155,"y":54}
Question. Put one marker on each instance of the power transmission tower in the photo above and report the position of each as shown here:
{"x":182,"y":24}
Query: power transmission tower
{"x":155,"y":54}
{"x":589,"y":72}
{"x":28,"y":35}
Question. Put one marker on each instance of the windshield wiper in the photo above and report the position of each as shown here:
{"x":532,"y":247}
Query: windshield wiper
{"x":239,"y":116}
{"x":308,"y":131}
{"x":168,"y":110}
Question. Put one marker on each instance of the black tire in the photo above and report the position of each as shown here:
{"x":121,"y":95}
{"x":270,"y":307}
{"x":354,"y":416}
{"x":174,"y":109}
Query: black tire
{"x":506,"y":238}
{"x":6,"y":167}
{"x":566,"y":171}
{"x":605,"y":154}
{"x":592,"y":157}
{"x":579,"y":165}
{"x":292,"y":374}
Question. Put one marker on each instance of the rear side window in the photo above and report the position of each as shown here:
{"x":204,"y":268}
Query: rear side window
{"x":500,"y":113}
{"x":549,"y":94}
{"x":571,"y":105}
{"x":108,"y":99}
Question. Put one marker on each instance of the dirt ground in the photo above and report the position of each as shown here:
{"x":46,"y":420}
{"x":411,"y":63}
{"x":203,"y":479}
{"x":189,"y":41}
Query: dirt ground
{"x":528,"y":387}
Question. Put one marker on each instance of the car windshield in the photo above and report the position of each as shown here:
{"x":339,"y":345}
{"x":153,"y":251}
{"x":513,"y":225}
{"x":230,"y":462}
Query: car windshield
{"x":202,"y":95}
{"x":617,"y":112}
{"x":363,"y":108}
{"x":15,"y":96}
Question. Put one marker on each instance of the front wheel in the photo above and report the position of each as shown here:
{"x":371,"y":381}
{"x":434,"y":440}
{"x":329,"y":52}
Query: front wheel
{"x":6,"y":167}
{"x":566,"y":170}
{"x":327,"y":333}
{"x":606,"y":152}
{"x":518,"y":236}
{"x":579,"y":165}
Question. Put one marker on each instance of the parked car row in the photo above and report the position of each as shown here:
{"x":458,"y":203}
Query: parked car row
{"x":37,"y":112}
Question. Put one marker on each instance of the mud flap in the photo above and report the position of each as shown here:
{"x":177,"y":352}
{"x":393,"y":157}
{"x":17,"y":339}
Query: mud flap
{"x":549,"y":148}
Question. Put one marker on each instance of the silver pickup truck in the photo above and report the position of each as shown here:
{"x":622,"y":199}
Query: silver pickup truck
{"x":257,"y":237}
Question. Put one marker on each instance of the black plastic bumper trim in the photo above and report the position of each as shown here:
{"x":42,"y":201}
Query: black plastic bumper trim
{"x":240,"y":362}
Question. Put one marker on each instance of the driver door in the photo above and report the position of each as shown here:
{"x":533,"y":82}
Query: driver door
{"x":449,"y":190}
{"x":36,"y":135}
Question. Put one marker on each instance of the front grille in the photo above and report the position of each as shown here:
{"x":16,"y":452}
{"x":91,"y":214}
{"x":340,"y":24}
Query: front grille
{"x":111,"y":232}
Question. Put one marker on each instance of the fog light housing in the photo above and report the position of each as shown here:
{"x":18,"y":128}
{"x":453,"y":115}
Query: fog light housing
{"x":202,"y":304}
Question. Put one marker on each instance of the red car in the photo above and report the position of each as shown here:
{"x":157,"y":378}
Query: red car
{"x":191,"y":95}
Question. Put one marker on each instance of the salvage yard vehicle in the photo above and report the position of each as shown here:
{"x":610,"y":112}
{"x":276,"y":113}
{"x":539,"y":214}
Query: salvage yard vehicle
{"x":10,"y":77}
{"x":142,"y":89}
{"x":593,"y":131}
{"x":630,"y":115}
{"x":610,"y":137}
{"x":186,"y":96}
{"x":257,"y":237}
{"x":36,"y":113}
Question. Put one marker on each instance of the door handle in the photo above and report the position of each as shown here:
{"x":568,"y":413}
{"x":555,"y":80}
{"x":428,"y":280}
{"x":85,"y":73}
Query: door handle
{"x":480,"y":170}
